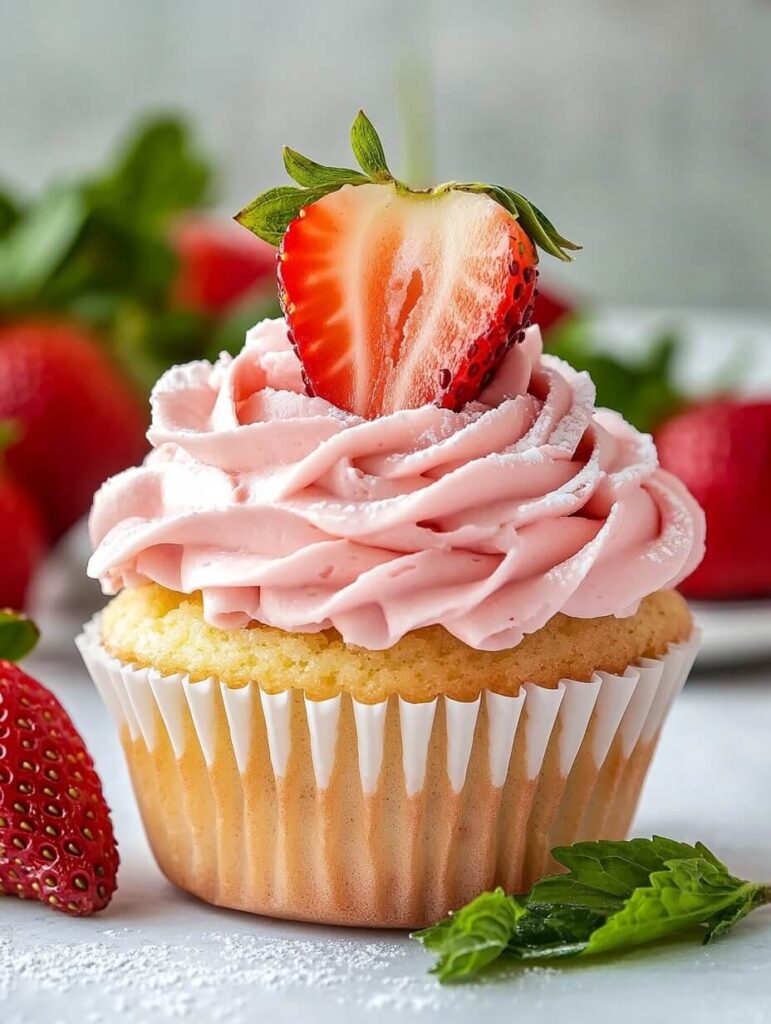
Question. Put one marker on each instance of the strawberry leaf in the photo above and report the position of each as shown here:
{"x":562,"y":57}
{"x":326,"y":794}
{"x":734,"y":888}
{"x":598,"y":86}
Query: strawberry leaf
{"x":18,"y":635}
{"x":309,"y":174}
{"x":552,"y":231}
{"x":500,"y":195}
{"x":368,"y":149}
{"x":271,"y":213}
{"x":536,"y":224}
{"x":540,"y":229}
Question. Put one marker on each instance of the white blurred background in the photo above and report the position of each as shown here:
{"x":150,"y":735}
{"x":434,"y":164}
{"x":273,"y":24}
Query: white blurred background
{"x":643,"y":129}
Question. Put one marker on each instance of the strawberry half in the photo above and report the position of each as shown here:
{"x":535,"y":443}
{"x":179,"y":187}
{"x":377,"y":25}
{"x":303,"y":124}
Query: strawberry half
{"x":56,"y":837}
{"x":395,"y":301}
{"x":395,"y":298}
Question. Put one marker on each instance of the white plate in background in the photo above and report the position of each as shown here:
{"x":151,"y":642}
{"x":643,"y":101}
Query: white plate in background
{"x":735,"y":632}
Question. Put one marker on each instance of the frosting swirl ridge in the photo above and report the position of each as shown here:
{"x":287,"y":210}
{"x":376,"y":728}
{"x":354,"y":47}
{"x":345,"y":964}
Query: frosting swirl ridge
{"x":283,"y":509}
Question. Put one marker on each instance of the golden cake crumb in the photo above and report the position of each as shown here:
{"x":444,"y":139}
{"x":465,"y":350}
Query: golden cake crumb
{"x":154,"y":627}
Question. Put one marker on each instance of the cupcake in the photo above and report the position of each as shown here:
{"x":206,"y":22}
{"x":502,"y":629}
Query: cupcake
{"x":395,"y":605}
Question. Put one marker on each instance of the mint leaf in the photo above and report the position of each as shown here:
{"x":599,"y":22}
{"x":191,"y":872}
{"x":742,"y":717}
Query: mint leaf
{"x":722,"y":922}
{"x":18,"y":635}
{"x":368,"y":149}
{"x":565,"y":891}
{"x":546,"y":932}
{"x":615,"y":895}
{"x":688,"y":893}
{"x":308,"y":173}
{"x":473,"y":937}
{"x":610,"y":870}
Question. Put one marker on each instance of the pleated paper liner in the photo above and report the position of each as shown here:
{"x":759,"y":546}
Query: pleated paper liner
{"x":382,"y":815}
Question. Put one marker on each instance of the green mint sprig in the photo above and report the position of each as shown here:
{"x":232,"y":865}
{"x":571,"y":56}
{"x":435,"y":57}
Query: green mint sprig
{"x":271,"y":213}
{"x":614,"y":895}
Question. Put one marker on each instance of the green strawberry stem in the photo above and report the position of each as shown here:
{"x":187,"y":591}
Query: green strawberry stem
{"x":270,"y":214}
{"x":18,"y":635}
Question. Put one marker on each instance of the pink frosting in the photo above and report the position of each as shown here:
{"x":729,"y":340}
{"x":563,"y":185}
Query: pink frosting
{"x":286,"y":510}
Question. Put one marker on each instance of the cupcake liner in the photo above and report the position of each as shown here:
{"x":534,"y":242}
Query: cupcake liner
{"x":387,"y":814}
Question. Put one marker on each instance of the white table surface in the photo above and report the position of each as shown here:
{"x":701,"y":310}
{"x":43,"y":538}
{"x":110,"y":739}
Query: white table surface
{"x":157,"y":955}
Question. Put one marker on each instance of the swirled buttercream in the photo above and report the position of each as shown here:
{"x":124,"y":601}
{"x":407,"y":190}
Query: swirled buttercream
{"x":283,"y":509}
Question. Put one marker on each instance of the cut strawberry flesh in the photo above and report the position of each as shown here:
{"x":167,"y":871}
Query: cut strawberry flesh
{"x":394,"y":301}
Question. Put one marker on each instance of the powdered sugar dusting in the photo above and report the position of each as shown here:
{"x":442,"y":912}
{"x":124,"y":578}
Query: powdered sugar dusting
{"x":215,"y":976}
{"x":237,"y":976}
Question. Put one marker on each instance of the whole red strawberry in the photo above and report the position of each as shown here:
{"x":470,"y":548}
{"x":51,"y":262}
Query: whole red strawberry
{"x":218,"y":264}
{"x":22,"y":542}
{"x":396,"y":298}
{"x":721,"y":450}
{"x":56,"y":837}
{"x":78,"y":422}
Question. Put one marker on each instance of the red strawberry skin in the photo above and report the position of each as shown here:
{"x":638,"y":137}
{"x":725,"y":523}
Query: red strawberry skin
{"x":56,"y":837}
{"x":721,"y":450}
{"x":22,"y":542}
{"x":78,"y":421}
{"x":396,"y":301}
{"x":218,"y":264}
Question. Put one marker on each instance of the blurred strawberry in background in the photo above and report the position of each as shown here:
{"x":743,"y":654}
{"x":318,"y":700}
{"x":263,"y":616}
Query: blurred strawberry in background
{"x":219,"y":264}
{"x":551,"y":307}
{"x":22,"y":533}
{"x":105,"y":281}
{"x":720,"y":447}
{"x":721,"y":450}
{"x":77,"y":419}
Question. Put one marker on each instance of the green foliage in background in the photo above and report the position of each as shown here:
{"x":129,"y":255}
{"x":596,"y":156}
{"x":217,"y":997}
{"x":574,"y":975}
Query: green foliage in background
{"x":97,"y":249}
{"x":642,"y":390}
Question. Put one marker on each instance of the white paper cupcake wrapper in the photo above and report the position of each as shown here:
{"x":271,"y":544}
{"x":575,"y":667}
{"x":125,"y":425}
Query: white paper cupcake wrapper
{"x":631,"y":706}
{"x":384,"y":815}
